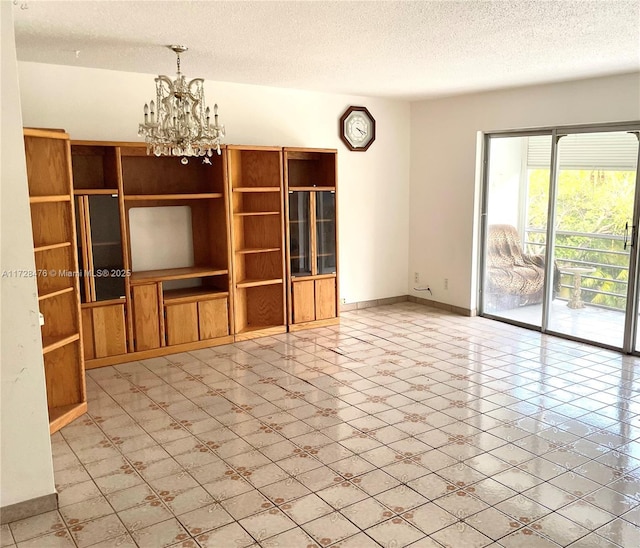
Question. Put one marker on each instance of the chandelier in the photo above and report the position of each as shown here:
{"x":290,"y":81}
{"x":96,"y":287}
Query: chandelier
{"x":181,"y":125}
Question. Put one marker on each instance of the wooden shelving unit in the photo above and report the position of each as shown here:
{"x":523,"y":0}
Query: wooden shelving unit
{"x":178,"y":257}
{"x":161,"y":310}
{"x":52,"y":217}
{"x":256,"y":207}
{"x":312,"y":237}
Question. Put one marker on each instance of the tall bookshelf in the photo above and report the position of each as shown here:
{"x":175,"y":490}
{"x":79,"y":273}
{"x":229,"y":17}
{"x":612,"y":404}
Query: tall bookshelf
{"x":54,"y":240}
{"x":257,"y":233}
{"x":312,"y":237}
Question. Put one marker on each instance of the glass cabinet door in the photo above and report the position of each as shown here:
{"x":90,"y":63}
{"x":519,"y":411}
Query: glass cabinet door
{"x":326,"y":232}
{"x":85,"y":290}
{"x":300,"y":233}
{"x":106,"y":247}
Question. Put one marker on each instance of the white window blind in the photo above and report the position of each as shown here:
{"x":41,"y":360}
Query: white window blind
{"x":607,"y":151}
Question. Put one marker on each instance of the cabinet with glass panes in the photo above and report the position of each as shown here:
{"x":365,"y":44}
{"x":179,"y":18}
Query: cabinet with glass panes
{"x":312,"y":237}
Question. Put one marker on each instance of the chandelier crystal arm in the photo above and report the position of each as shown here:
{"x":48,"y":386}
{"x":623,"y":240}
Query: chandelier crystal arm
{"x":182,"y":124}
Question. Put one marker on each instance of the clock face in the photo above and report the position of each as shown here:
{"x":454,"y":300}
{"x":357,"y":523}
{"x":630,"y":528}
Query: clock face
{"x":357,"y":128}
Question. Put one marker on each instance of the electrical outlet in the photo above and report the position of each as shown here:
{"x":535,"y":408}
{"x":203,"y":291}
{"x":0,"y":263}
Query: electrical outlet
{"x":343,"y":301}
{"x":446,"y":283}
{"x":416,"y":277}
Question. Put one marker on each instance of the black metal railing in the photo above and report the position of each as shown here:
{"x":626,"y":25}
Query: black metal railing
{"x":606,"y":287}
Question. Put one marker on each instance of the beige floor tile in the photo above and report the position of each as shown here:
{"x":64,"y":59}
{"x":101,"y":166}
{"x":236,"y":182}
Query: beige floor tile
{"x":159,"y":535}
{"x":330,"y":529}
{"x":92,"y":532}
{"x":443,"y":423}
{"x":266,"y":524}
{"x":306,"y":508}
{"x":394,"y":532}
{"x":229,"y":535}
{"x":205,"y":519}
{"x":36,"y":526}
{"x":142,"y":516}
{"x":59,"y":539}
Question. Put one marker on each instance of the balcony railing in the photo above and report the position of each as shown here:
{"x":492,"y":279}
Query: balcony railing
{"x":607,"y":286}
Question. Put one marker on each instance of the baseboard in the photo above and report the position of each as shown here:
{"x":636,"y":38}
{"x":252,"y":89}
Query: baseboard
{"x":375,"y":302}
{"x":28,"y":508}
{"x":443,"y":306}
{"x":404,"y":298}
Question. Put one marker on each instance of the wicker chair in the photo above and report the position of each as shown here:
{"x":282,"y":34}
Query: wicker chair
{"x":513,"y":278}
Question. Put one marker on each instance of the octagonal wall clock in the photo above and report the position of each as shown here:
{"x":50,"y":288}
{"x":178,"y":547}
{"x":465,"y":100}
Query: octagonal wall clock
{"x":357,"y":129}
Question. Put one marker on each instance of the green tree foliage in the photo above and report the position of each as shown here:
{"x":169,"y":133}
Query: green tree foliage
{"x":598,"y":204}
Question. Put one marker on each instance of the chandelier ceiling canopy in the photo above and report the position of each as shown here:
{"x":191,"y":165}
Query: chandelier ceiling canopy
{"x":178,"y":122}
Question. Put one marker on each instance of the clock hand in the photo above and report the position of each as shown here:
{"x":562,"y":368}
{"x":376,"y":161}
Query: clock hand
{"x":362,"y":132}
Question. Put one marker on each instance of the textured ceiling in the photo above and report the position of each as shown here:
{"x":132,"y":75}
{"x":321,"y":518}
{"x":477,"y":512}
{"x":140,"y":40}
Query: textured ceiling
{"x":395,"y":49}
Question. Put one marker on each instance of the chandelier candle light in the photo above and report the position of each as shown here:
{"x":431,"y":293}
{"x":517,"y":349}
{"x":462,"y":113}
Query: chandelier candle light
{"x":182,"y":124}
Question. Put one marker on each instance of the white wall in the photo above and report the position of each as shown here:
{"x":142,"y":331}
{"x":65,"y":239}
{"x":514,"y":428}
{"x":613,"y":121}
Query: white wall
{"x":25,"y":466}
{"x":504,"y":180}
{"x":374,"y":185}
{"x":444,"y":191}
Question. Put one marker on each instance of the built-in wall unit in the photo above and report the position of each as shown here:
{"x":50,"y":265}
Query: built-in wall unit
{"x":153,"y":237}
{"x":48,"y":162}
{"x":172,"y":256}
{"x":312,"y":243}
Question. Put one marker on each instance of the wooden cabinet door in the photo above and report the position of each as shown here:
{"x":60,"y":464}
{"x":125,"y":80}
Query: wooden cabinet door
{"x":146,"y":325}
{"x":109,"y":333}
{"x":182,"y":323}
{"x":303,"y":302}
{"x":325,"y":298}
{"x":87,"y":334}
{"x":213,"y":318}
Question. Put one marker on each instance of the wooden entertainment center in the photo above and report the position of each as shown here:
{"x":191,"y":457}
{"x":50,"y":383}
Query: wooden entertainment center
{"x":146,"y":256}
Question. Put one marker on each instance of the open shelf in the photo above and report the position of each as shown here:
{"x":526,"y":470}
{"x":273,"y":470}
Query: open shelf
{"x":95,"y":191}
{"x":259,"y":305}
{"x":49,"y":247}
{"x":183,"y":196}
{"x":64,"y":414}
{"x":51,"y":294}
{"x":52,"y":343}
{"x":188,"y":294}
{"x":166,"y":175}
{"x":47,"y":163}
{"x":257,"y":189}
{"x":310,"y":169}
{"x":256,"y":213}
{"x":49,"y":199}
{"x":255,"y":328}
{"x":318,"y":188}
{"x":94,"y":169}
{"x":249,"y":250}
{"x":257,"y":282}
{"x":176,"y":274}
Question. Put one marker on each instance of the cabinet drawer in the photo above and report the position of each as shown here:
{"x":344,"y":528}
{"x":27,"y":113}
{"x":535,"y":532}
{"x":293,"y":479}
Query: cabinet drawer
{"x":213,"y":318}
{"x":182,"y":323}
{"x":146,"y":325}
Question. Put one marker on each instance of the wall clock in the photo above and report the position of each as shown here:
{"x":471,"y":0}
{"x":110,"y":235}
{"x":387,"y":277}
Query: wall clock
{"x":357,"y":128}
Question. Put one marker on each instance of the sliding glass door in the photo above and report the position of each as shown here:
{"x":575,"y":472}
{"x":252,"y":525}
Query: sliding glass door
{"x":574,"y":189}
{"x":516,"y":204}
{"x":595,"y":190}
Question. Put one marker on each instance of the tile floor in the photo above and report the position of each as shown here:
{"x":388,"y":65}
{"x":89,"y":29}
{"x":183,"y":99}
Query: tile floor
{"x":589,"y":323}
{"x":404,"y":426}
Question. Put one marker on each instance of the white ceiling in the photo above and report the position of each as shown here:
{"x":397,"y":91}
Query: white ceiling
{"x":399,"y":49}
